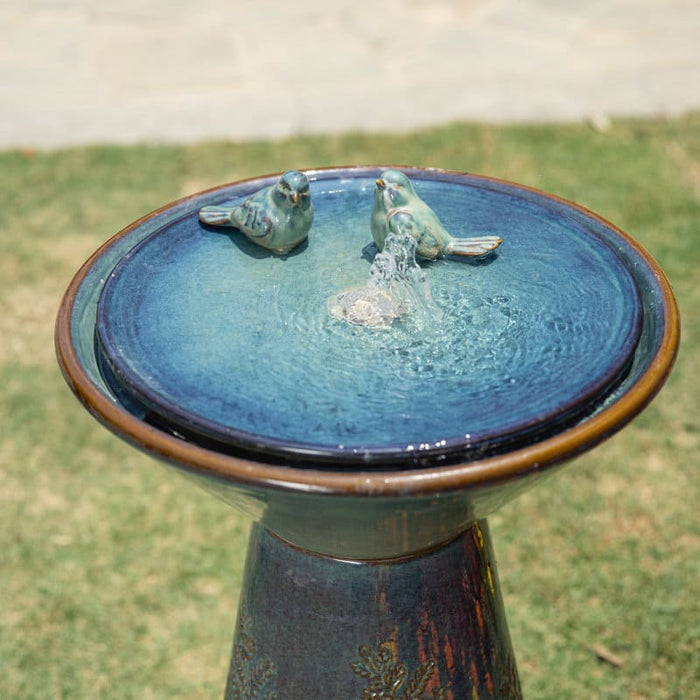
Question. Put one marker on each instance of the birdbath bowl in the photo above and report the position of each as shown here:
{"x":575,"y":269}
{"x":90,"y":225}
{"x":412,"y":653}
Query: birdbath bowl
{"x":369,"y":458}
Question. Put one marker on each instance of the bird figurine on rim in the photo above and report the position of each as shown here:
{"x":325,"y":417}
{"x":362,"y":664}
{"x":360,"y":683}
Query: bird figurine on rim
{"x":277,"y":217}
{"x":398,"y":209}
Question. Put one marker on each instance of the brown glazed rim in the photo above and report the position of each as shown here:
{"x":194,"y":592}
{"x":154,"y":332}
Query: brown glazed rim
{"x":377,"y":483}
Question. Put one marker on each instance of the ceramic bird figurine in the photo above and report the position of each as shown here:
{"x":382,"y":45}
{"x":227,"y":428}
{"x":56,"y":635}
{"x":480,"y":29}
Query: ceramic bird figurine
{"x":277,"y":217}
{"x":398,"y":208}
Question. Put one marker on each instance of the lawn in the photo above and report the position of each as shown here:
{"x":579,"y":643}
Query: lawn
{"x":118,"y":579}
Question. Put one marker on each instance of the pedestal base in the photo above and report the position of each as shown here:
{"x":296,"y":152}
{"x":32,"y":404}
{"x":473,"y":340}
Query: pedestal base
{"x":426,"y":626}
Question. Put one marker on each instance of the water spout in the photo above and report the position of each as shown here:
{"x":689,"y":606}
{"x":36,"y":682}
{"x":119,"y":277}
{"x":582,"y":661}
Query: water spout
{"x":397,"y":288}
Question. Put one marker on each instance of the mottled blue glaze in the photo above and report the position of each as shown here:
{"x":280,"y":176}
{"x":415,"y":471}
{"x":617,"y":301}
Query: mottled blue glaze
{"x":317,"y":627}
{"x":362,"y":582}
{"x":224,"y":339}
{"x":377,"y":521}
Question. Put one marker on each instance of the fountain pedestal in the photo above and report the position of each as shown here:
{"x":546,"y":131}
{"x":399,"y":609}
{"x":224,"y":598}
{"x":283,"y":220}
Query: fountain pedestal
{"x":369,"y":459}
{"x":430,"y":625}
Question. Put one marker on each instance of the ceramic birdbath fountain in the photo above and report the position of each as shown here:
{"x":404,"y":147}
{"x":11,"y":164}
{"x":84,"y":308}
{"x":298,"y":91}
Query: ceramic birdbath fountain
{"x":368,"y":412}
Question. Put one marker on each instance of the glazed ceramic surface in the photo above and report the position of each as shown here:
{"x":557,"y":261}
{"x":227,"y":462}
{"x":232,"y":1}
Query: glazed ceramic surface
{"x":217,"y":338}
{"x":369,"y":457}
{"x":544,"y":321}
{"x":277,"y":217}
{"x":408,"y":630}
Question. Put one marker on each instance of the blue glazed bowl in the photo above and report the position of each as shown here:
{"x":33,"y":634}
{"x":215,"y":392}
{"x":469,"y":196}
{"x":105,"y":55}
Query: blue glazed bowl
{"x":221,"y":359}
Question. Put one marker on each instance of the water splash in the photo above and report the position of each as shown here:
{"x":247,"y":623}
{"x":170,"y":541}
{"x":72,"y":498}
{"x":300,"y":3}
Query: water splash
{"x":397,"y":288}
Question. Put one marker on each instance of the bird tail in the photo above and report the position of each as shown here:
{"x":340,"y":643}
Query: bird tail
{"x":215,"y":216}
{"x":482,"y":245}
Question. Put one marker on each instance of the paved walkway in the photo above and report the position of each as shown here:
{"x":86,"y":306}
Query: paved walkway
{"x":80,"y":71}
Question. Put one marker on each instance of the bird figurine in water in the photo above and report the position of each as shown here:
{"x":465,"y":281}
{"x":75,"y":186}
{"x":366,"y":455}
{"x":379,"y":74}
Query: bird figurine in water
{"x":398,"y":209}
{"x":277,"y":217}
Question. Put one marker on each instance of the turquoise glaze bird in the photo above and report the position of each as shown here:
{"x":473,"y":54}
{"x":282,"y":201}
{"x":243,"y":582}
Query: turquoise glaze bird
{"x":398,"y":208}
{"x":277,"y":217}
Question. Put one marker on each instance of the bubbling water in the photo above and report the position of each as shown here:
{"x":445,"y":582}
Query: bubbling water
{"x":397,"y":288}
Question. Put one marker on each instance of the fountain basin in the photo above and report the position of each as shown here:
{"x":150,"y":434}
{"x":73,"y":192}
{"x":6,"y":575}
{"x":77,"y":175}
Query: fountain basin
{"x":479,"y":437}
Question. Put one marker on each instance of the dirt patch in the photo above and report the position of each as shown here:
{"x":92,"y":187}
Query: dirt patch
{"x":689,"y":167}
{"x":27,"y":315}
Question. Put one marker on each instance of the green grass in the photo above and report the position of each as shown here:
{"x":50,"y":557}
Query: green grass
{"x":120,"y":580}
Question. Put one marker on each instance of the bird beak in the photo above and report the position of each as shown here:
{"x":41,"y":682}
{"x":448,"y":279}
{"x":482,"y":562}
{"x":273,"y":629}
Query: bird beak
{"x":381,"y":184}
{"x":295,"y":197}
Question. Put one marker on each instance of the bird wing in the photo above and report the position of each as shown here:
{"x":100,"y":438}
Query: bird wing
{"x":402,"y":221}
{"x":252,"y":218}
{"x":427,"y":243}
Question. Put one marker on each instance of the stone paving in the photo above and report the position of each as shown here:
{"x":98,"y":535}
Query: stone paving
{"x":85,"y":71}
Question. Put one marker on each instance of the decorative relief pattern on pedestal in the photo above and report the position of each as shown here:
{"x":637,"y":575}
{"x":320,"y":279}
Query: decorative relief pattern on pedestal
{"x":250,"y":676}
{"x":387,"y":677}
